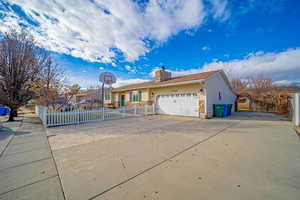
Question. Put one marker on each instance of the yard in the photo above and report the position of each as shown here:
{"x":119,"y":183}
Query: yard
{"x":247,"y":156}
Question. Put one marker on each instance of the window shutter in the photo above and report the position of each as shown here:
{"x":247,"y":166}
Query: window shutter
{"x":130,"y":96}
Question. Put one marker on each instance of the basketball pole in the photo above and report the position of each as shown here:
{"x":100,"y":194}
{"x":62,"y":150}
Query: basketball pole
{"x":106,"y":78}
{"x":102,"y":96}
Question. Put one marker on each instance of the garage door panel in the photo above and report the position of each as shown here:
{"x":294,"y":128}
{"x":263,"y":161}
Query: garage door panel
{"x":178,"y":104}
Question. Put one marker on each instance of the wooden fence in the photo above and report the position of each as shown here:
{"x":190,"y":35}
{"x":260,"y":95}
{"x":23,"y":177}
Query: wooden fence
{"x":58,"y":118}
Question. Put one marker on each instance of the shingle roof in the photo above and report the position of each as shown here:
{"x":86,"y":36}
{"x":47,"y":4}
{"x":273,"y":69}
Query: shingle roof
{"x":177,"y":79}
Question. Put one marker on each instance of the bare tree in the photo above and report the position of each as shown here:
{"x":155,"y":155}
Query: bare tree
{"x":70,"y":92}
{"x":50,"y":85}
{"x":21,"y":64}
{"x":238,"y":84}
{"x":260,"y":83}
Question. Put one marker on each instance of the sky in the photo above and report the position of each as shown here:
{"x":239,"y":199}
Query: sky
{"x":133,"y":38}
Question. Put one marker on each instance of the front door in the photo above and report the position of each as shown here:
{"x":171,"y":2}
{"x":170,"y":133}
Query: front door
{"x":122,"y":102}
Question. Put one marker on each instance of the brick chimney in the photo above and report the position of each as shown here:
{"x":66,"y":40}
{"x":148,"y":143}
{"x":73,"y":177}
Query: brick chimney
{"x":162,"y":75}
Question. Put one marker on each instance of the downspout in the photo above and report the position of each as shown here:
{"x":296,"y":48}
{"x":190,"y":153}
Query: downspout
{"x":205,"y":101}
{"x":205,"y":98}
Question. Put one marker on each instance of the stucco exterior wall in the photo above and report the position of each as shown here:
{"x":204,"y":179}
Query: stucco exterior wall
{"x":213,"y":85}
{"x":145,"y":95}
{"x":149,"y":95}
{"x":116,"y":97}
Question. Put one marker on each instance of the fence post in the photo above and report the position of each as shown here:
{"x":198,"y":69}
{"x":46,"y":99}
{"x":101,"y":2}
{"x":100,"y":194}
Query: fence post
{"x":37,"y":110}
{"x":297,"y":109}
{"x":44,"y":116}
{"x":77,"y":115}
{"x":146,"y":109}
{"x":123,"y":110}
{"x":153,"y":109}
{"x":103,"y":117}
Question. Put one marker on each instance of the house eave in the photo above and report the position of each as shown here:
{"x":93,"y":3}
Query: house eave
{"x":161,"y":85}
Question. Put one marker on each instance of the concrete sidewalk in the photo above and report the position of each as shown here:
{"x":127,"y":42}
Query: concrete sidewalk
{"x":27,"y":168}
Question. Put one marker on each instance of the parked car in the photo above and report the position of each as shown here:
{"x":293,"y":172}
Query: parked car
{"x":4,"y":111}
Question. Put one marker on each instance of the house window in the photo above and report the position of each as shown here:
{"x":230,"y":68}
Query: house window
{"x":135,"y":96}
{"x":220,"y":96}
{"x":107,"y":95}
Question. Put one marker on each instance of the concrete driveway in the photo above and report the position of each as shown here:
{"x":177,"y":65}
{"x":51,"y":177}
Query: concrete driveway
{"x":247,"y":156}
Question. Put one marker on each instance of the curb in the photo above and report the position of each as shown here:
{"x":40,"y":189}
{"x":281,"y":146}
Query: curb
{"x":297,"y":129}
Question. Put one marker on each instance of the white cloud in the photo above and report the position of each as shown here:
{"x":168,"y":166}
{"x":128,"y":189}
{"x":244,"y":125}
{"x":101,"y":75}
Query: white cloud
{"x":99,"y":30}
{"x":122,"y":82}
{"x":83,"y":81}
{"x":214,"y":60}
{"x":205,"y":48}
{"x":282,"y":67}
{"x":130,"y":69}
{"x":219,"y":9}
{"x":127,"y":67}
{"x":87,"y":82}
{"x":101,"y":68}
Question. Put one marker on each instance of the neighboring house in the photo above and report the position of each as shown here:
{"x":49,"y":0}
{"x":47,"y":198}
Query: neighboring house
{"x":190,"y":95}
{"x":90,"y":96}
{"x":61,"y":100}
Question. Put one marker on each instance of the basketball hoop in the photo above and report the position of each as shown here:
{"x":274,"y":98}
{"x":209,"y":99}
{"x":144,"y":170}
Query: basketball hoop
{"x":107,"y":78}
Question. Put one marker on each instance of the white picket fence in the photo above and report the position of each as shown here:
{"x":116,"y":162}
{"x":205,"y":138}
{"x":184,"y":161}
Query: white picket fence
{"x":296,"y":109}
{"x":58,"y":118}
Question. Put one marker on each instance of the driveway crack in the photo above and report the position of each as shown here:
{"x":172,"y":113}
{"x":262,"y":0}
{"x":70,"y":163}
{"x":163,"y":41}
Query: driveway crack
{"x":123,"y":164}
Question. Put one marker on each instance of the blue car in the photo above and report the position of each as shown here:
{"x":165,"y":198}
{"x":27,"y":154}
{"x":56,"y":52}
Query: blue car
{"x":4,"y":111}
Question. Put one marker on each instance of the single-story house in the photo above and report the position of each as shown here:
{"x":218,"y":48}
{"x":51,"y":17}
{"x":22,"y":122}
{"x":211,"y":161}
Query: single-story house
{"x":190,"y":95}
{"x":87,"y":97}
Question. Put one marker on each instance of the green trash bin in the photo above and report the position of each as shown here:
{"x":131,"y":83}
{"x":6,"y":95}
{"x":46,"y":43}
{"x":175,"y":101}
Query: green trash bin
{"x":214,"y":110}
{"x":218,"y":110}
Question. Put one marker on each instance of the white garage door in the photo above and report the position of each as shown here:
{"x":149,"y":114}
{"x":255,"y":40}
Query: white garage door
{"x":185,"y":104}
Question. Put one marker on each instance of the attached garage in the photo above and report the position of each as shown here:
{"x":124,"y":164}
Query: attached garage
{"x":184,"y":104}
